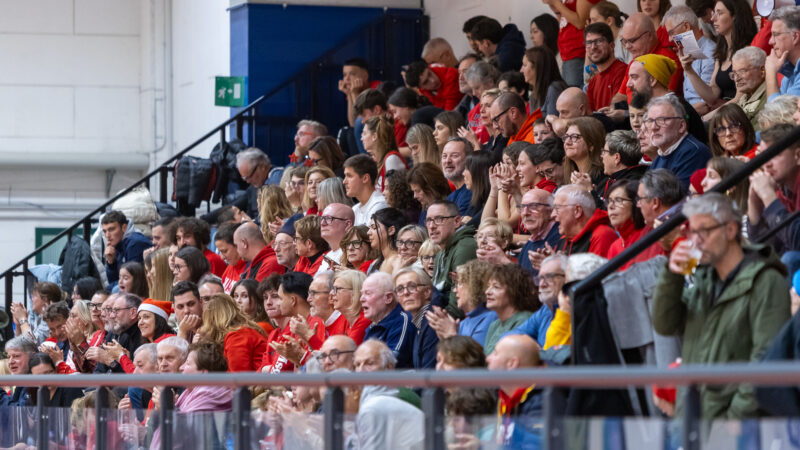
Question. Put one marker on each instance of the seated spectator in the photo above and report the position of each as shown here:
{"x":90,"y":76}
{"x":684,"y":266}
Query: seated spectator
{"x":132,"y":279}
{"x":124,"y":332}
{"x":383,"y":237}
{"x":470,"y":290}
{"x":346,"y":299}
{"x":209,"y":285}
{"x":476,"y":181}
{"x":205,"y":357}
{"x":638,"y":110}
{"x":508,"y":113}
{"x":778,"y":110}
{"x":188,"y":309}
{"x":19,"y":351}
{"x":747,"y":71}
{"x":79,"y":329}
{"x":145,"y":360}
{"x":583,"y":226}
{"x":520,"y":406}
{"x":731,"y":134}
{"x":311,"y":206}
{"x":730,"y":278}
{"x":548,"y":158}
{"x":309,"y":244}
{"x":496,"y":141}
{"x":159,"y":275}
{"x":338,"y":352}
{"x":467,"y":101}
{"x":54,"y":397}
{"x":428,"y":184}
{"x":427,"y":255}
{"x":355,"y":80}
{"x":544,"y":30}
{"x":252,"y":247}
{"x":600,"y":51}
{"x":322,"y":305}
{"x":721,"y":167}
{"x":358,"y":254}
{"x":389,"y":323}
{"x":55,"y":316}
{"x":494,"y":238}
{"x":678,"y":151}
{"x":307,"y":131}
{"x":454,"y":161}
{"x":245,"y":294}
{"x":85,"y":288}
{"x":458,"y":246}
{"x":459,"y":352}
{"x":254,"y":167}
{"x":422,"y":145}
{"x":506,"y":43}
{"x":379,"y":143}
{"x":659,"y":190}
{"x":583,"y":146}
{"x":153,"y":316}
{"x":330,"y":191}
{"x":550,"y":280}
{"x":399,"y":196}
{"x":625,"y":216}
{"x":226,"y":246}
{"x":536,"y":210}
{"x":30,"y":324}
{"x":409,"y":240}
{"x":513,"y":81}
{"x":325,"y":151}
{"x":293,"y":184}
{"x":408,"y":108}
{"x":786,"y":53}
{"x":243,"y":340}
{"x":192,"y":232}
{"x":511,"y":294}
{"x":336,"y":219}
{"x":445,"y":126}
{"x":481,"y":77}
{"x":122,"y":245}
{"x":698,"y":72}
{"x":190,"y":265}
{"x":360,"y":176}
{"x":438,"y":84}
{"x":413,"y":289}
{"x":437,"y":51}
{"x":541,"y":73}
{"x":621,"y":156}
{"x":608,"y":13}
{"x":285,"y":249}
{"x":162,"y":232}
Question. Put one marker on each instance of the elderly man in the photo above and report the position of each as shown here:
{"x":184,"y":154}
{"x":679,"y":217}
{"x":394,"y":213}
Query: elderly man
{"x":390,"y":324}
{"x":468,"y":101}
{"x":454,"y":161}
{"x":638,"y":36}
{"x":285,"y":248}
{"x":145,"y":360}
{"x":255,"y":168}
{"x":438,"y":51}
{"x":621,"y":157}
{"x":520,"y":407}
{"x":751,"y":85}
{"x":571,"y":103}
{"x":681,"y":19}
{"x":252,"y":247}
{"x":599,"y":40}
{"x":678,"y":151}
{"x":508,"y":114}
{"x":124,"y":314}
{"x":583,"y":227}
{"x":550,"y":280}
{"x":338,"y":352}
{"x":481,"y":77}
{"x":738,"y":303}
{"x":413,"y":289}
{"x":458,"y":246}
{"x":785,"y":56}
{"x":336,"y":219}
{"x":535,"y":209}
{"x":322,"y":305}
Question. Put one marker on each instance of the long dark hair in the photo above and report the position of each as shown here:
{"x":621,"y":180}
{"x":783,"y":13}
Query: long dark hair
{"x":548,"y":25}
{"x":544,"y":62}
{"x":139,"y":286}
{"x":478,"y":165}
{"x":388,"y":217}
{"x":161,"y":327}
{"x":196,"y":261}
{"x":251,"y":286}
{"x":631,"y":187}
{"x":744,"y":29}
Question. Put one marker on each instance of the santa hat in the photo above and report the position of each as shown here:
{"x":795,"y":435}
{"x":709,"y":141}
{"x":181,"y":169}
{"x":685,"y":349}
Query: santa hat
{"x":157,"y":307}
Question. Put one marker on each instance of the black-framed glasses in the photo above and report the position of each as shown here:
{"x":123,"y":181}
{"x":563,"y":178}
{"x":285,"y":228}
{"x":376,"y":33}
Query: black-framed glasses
{"x":438,"y":220}
{"x":660,"y":121}
{"x":704,"y":233}
{"x":355,"y":245}
{"x":547,"y":173}
{"x":411,"y":288}
{"x":733,"y":128}
{"x":627,"y":42}
{"x":572,"y":137}
{"x":96,"y":306}
{"x":548,"y":277}
{"x":118,"y":310}
{"x":327,"y":220}
{"x":593,"y":42}
{"x":313,"y":293}
{"x":252,"y":172}
{"x":333,"y":355}
{"x":335,"y":290}
{"x":533,"y":206}
{"x":496,"y":119}
{"x":674,"y":29}
{"x":617,"y":201}
{"x":407,"y":244}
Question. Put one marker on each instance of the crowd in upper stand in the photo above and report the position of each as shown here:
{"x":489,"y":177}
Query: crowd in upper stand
{"x":445,"y":235}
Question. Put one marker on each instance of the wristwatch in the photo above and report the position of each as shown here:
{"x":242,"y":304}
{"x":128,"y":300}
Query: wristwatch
{"x":23,"y":322}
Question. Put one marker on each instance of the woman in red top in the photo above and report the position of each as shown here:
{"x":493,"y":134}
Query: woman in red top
{"x":314,"y":177}
{"x":655,"y":10}
{"x":379,"y":143}
{"x":625,"y":216}
{"x":245,"y":294}
{"x":346,"y":296}
{"x":309,"y":244}
{"x":730,"y":133}
{"x":358,"y":251}
{"x":243,"y":341}
{"x":153,"y":315}
{"x":574,"y":14}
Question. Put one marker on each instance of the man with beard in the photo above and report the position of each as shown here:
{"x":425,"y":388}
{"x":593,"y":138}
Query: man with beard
{"x":599,"y":40}
{"x":508,"y":113}
{"x":535,"y":209}
{"x":454,"y":160}
{"x":124,"y":316}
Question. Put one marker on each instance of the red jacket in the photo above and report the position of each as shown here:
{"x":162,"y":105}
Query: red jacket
{"x":217,"y":263}
{"x":448,"y":95}
{"x":263,"y":265}
{"x":306,"y":266}
{"x":525,"y":132}
{"x":244,"y":349}
{"x":595,"y":237}
{"x":232,"y":274}
{"x":277,"y":363}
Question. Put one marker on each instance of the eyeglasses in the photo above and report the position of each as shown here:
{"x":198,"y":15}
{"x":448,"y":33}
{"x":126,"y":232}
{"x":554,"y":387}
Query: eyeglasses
{"x":593,"y":42}
{"x":704,"y":233}
{"x":572,"y":137}
{"x":733,"y":128}
{"x":660,"y":121}
{"x":333,"y":355}
{"x":496,"y":119}
{"x":438,"y":220}
{"x":336,"y":289}
{"x":327,"y":220}
{"x":252,"y":172}
{"x":411,"y":288}
{"x":627,"y":42}
{"x":282,"y":245}
{"x":107,"y":310}
{"x":673,"y":31}
{"x":303,"y":133}
{"x":737,"y":74}
{"x":313,"y":293}
{"x":547,"y":173}
{"x":533,"y":206}
{"x":118,"y":310}
{"x":557,"y":207}
{"x":355,"y":245}
{"x":645,"y":198}
{"x":548,"y":277}
{"x":617,"y":201}
{"x":179,"y":267}
{"x":407,"y":244}
{"x":775,"y":34}
{"x":96,"y":306}
{"x":427,"y":259}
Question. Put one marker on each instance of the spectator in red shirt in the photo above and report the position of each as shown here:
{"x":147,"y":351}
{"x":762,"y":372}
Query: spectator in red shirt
{"x":309,"y":244}
{"x":244,"y":342}
{"x":574,"y":16}
{"x":193,"y":232}
{"x":346,"y":296}
{"x":439,"y":84}
{"x":252,"y":248}
{"x":438,"y":51}
{"x":599,"y":41}
{"x":584,"y":227}
{"x":321,"y":301}
{"x":236,"y":265}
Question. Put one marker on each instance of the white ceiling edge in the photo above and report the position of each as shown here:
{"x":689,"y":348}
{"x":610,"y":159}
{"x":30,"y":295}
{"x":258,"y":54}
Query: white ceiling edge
{"x":413,"y":4}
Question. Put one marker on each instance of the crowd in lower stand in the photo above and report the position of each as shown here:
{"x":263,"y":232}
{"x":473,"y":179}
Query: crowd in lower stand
{"x":448,"y":235}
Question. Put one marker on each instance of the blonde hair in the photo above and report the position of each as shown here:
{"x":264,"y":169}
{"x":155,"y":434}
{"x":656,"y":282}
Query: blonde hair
{"x":355,"y":278}
{"x":504,"y":232}
{"x":429,"y":248}
{"x":160,"y":285}
{"x":84,"y":313}
{"x":326,"y":172}
{"x":272,"y":204}
{"x":422,"y":135}
{"x":221,"y":315}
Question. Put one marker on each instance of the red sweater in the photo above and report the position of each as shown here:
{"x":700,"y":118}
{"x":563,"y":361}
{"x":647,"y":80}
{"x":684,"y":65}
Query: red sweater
{"x":217,"y":263}
{"x":232,"y":274}
{"x":306,"y":266}
{"x":358,"y":329}
{"x":448,"y":95}
{"x":595,"y":237}
{"x":127,"y":364}
{"x":263,"y":265}
{"x":244,"y":349}
{"x":277,"y":363}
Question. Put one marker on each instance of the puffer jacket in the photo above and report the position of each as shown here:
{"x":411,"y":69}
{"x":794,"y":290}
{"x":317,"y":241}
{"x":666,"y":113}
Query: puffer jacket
{"x":738,"y":326}
{"x":460,"y":248}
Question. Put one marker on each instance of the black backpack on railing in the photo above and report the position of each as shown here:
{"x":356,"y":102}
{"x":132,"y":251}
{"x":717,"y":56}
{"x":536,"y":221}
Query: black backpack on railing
{"x":194,"y":183}
{"x":224,"y":157}
{"x":76,"y":263}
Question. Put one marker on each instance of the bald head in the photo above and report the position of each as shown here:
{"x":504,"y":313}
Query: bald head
{"x":638,"y":35}
{"x":336,"y":220}
{"x":249,"y":240}
{"x":338,"y":352}
{"x":572,"y":103}
{"x":513,"y":352}
{"x":374,"y":355}
{"x":639,"y":22}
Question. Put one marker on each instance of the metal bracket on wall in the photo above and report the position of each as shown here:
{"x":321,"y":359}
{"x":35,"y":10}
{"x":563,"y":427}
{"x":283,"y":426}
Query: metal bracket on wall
{"x":109,"y":179}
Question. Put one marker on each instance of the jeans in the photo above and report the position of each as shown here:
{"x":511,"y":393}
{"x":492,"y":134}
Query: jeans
{"x":572,"y":72}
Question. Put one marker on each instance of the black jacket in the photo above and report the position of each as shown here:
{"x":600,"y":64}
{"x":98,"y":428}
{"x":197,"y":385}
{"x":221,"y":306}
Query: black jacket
{"x":129,"y":339}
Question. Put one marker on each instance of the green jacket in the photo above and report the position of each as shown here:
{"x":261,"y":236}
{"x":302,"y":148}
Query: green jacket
{"x":737,"y":327}
{"x":459,"y":249}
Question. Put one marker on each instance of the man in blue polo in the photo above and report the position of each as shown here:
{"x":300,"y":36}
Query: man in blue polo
{"x":390,"y":323}
{"x":785,"y":56}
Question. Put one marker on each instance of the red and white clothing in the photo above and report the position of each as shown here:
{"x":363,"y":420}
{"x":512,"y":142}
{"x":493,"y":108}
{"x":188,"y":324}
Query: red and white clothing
{"x":392,"y":161}
{"x":273,"y":362}
{"x":232,"y":274}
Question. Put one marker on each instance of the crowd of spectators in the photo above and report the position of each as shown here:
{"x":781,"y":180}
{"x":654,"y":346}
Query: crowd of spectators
{"x":485,"y":186}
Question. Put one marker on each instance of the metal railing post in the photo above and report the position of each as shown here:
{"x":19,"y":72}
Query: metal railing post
{"x":691,"y":419}
{"x":166,"y":418}
{"x":87,"y":230}
{"x":25,"y":282}
{"x":163,"y":173}
{"x":100,"y":419}
{"x":42,"y":414}
{"x":553,"y":433}
{"x":241,"y":419}
{"x":433,"y":407}
{"x":333,"y":415}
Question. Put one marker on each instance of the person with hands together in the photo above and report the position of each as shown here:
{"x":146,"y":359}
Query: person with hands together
{"x":30,"y":323}
{"x":784,"y":58}
{"x":188,"y":309}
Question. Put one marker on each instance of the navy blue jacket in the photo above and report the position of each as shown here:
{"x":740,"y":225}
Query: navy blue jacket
{"x":398,"y":332}
{"x":510,"y":49}
{"x":130,"y":248}
{"x":552,"y":238}
{"x":690,"y":156}
{"x":461,"y":197}
{"x":425,"y":345}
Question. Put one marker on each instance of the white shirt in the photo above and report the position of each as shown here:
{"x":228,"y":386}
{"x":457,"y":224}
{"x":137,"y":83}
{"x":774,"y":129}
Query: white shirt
{"x":672,"y":147}
{"x":364,"y":212}
{"x":386,"y":422}
{"x":335,"y":255}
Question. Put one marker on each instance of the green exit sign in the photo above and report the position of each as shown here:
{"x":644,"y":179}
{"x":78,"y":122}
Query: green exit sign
{"x":230,"y":91}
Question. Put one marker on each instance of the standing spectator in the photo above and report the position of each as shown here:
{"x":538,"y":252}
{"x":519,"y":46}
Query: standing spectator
{"x":544,"y":32}
{"x":541,"y":73}
{"x":785,"y":54}
{"x":193,"y":232}
{"x":310,"y":245}
{"x":680,"y":19}
{"x":224,"y":242}
{"x":360,"y":174}
{"x":390,"y":324}
{"x":505,"y":42}
{"x":122,"y":245}
{"x":252,"y":248}
{"x":610,"y":72}
{"x":454,"y":161}
{"x":583,"y":227}
{"x":574,"y":15}
{"x":413,"y":289}
{"x":739,"y":290}
{"x":346,"y":296}
{"x":458,"y":246}
{"x":511,"y":294}
{"x":438,"y":84}
{"x":243,"y":339}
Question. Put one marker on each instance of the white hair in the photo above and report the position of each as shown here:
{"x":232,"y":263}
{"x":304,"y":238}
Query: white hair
{"x":581,"y":265}
{"x":679,"y":14}
{"x":382,"y":280}
{"x":754,"y":56}
{"x":579,"y":196}
{"x":387,"y":356}
{"x":319,"y":128}
{"x":253,"y":156}
{"x":718,"y":206}
{"x":178,"y":342}
{"x":778,"y":110}
{"x":151,"y":349}
{"x":560,"y":257}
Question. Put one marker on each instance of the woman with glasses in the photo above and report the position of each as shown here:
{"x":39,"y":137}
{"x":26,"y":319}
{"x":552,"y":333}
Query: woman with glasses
{"x":511,"y":294}
{"x":541,"y":73}
{"x":379,"y":143}
{"x":346,"y":298}
{"x":625,"y":216}
{"x":409,"y":241}
{"x":325,"y":151}
{"x":190,"y":265}
{"x":398,"y":195}
{"x":428,"y":184}
{"x":243,"y":340}
{"x":386,"y":223}
{"x":357,"y":252}
{"x":245,"y":294}
{"x":79,"y":328}
{"x":314,"y":177}
{"x":583,"y":143}
{"x":731,"y":134}
{"x":494,"y":238}
{"x":413,"y":290}
{"x":427,"y":255}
